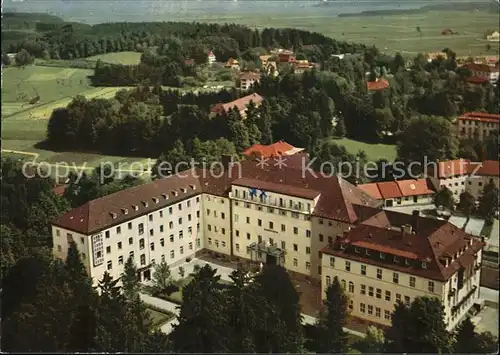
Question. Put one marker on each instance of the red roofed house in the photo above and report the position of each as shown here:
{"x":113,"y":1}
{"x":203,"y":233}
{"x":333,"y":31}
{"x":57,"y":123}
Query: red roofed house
{"x":392,"y":257}
{"x":401,"y":192}
{"x":247,"y":79}
{"x":232,"y":64}
{"x":211,"y":57}
{"x":380,"y":84}
{"x":477,"y":125}
{"x":240,"y":104}
{"x":286,"y":58}
{"x":300,"y":67}
{"x":451,"y":174}
{"x":482,"y":73}
{"x":279,"y":148}
{"x":480,"y":174}
{"x":59,"y":190}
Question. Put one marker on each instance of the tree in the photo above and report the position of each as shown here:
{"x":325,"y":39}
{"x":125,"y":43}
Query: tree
{"x":467,"y":340}
{"x":24,"y":58}
{"x":161,"y":277}
{"x":374,"y":342}
{"x":202,"y":320}
{"x":436,"y":141}
{"x":333,"y":317}
{"x":419,"y":326}
{"x":182,"y":272}
{"x":488,"y":202}
{"x":130,"y":279}
{"x":6,"y":59}
{"x":444,"y":197}
{"x":467,"y":203}
{"x":340,"y":128}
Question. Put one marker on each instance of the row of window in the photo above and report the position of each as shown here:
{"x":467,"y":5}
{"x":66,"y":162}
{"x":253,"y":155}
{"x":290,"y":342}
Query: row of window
{"x":271,"y":210}
{"x":279,"y":201}
{"x":363,"y":308}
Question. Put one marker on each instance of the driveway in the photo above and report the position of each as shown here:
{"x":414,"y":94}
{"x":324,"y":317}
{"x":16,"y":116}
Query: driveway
{"x":222,"y":271}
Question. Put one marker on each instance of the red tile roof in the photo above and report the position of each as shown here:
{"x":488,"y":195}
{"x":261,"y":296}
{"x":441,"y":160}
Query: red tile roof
{"x":339,"y":199}
{"x":240,"y":103}
{"x":474,"y":67}
{"x":278,"y":188}
{"x":485,"y":168}
{"x":372,"y":190}
{"x":433,"y":241}
{"x":414,"y":187}
{"x":272,"y":150}
{"x":448,"y":168}
{"x":59,"y":190}
{"x":377,"y":85}
{"x":389,"y":189}
{"x":480,"y":117}
{"x":478,"y":80}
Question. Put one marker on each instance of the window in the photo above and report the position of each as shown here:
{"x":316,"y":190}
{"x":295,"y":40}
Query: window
{"x":363,"y":269}
{"x":180,"y":221}
{"x":259,"y":222}
{"x":379,"y":274}
{"x":431,"y":286}
{"x":343,"y":284}
{"x":363,"y":289}
{"x":170,"y":210}
{"x":162,"y":242}
{"x":118,"y":230}
{"x":222,"y":215}
{"x":248,"y":236}
{"x":395,"y":277}
{"x":347,"y":266}
{"x":141,"y":243}
{"x":379,"y":293}
{"x":208,"y":212}
{"x":216,"y":243}
{"x":188,"y":203}
{"x":151,"y":218}
{"x":283,"y":245}
{"x":223,"y":244}
{"x":181,"y":249}
{"x":129,"y":225}
{"x":107,"y":234}
{"x":248,"y":220}
{"x":370,"y":309}
{"x":170,"y":224}
{"x":308,"y":265}
{"x":332,"y":262}
{"x":328,"y":281}
{"x":161,"y":214}
{"x":179,"y":206}
{"x":362,"y":308}
{"x":308,"y":250}
{"x":189,"y":217}
{"x":172,"y":254}
{"x":161,"y":228}
{"x":143,"y":259}
{"x":119,"y":245}
{"x":58,"y":232}
{"x":171,"y":238}
{"x":190,"y":230}
{"x":283,"y":228}
{"x":377,"y":312}
{"x":270,"y":210}
{"x":131,"y":254}
{"x":120,"y":260}
{"x":351,"y":287}
{"x":321,"y":237}
{"x":412,"y":281}
{"x":209,"y":227}
{"x":295,"y":230}
{"x":295,"y":247}
{"x":236,"y":218}
{"x":210,"y":241}
{"x":295,"y":262}
{"x":223,"y":230}
{"x":198,"y":243}
{"x":151,"y":232}
{"x":152,"y":246}
{"x":271,"y":225}
{"x":180,"y":234}
{"x":308,"y":233}
{"x":398,"y":297}
{"x":271,"y":241}
{"x":110,"y":265}
{"x":141,"y":228}
{"x":407,"y":300}
{"x":370,"y":291}
{"x":387,"y":295}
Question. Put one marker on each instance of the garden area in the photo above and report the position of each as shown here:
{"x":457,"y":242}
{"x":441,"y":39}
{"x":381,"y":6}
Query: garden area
{"x":158,"y":316}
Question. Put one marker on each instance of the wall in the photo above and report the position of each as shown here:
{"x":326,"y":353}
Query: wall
{"x":61,"y":245}
{"x":455,"y":183}
{"x":475,"y":184}
{"x":476,"y":129}
{"x":216,"y":224}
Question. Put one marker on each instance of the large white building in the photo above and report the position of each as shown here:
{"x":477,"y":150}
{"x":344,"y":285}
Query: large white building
{"x":253,"y":211}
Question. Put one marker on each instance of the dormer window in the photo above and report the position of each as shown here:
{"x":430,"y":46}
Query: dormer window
{"x":382,"y":256}
{"x":193,"y":187}
{"x":174,"y":193}
{"x":125,"y":210}
{"x":396,"y":260}
{"x":367,"y":251}
{"x":145,"y":203}
{"x":184,"y":190}
{"x":342,"y":246}
{"x":135,"y":207}
{"x":424,"y":265}
{"x":113,"y":215}
{"x":165,"y":196}
{"x":155,"y":200}
{"x":356,"y":249}
{"x":407,"y":262}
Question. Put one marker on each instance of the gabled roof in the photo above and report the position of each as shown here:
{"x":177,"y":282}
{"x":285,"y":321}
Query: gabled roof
{"x":485,"y":168}
{"x":272,"y":150}
{"x":380,"y":84}
{"x":240,"y":103}
{"x":474,"y":67}
{"x":389,"y":189}
{"x":432,"y":241}
{"x":414,"y":187}
{"x":372,"y":190}
{"x":480,"y":117}
{"x":449,"y":168}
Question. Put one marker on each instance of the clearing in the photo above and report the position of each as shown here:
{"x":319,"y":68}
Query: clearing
{"x":126,"y":58}
{"x":373,"y":152}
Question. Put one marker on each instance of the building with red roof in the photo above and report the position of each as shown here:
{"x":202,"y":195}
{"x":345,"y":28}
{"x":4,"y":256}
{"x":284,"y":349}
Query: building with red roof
{"x":400,"y":192}
{"x":481,"y":72}
{"x":379,"y":84}
{"x":211,"y":57}
{"x":247,"y":79}
{"x":477,"y":125}
{"x":276,"y":149}
{"x":480,"y":174}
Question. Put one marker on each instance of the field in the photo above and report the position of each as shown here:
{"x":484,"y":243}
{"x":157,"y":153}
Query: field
{"x":126,"y":58}
{"x":373,"y":151}
{"x":392,"y":33}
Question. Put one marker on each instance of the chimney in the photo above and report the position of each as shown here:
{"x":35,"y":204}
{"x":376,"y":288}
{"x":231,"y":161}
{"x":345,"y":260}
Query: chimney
{"x":226,"y":161}
{"x":414,"y":221}
{"x":406,"y":229}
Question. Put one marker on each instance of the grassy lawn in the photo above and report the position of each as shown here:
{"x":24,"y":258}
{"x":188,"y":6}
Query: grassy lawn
{"x":390,"y":33}
{"x":126,"y":58}
{"x":159,"y":317}
{"x":373,"y":151}
{"x":176,"y":297}
{"x":487,"y":229}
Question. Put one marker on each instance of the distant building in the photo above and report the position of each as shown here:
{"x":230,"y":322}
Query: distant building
{"x":430,"y":56}
{"x":247,"y":79}
{"x":286,"y":58}
{"x":240,"y":104}
{"x":232,"y":64}
{"x":495,"y":37}
{"x":482,"y":73}
{"x":189,"y":62}
{"x":211,"y":57}
{"x":292,"y":157}
{"x":480,"y":174}
{"x":264,"y":59}
{"x":477,"y":125}
{"x":451,"y":174}
{"x":271,"y":69}
{"x":400,"y":192}
{"x":379,"y":84}
{"x":300,"y":67}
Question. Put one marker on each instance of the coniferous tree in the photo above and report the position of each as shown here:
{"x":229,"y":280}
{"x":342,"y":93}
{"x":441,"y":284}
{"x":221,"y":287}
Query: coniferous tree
{"x":331,"y":336}
{"x":130,"y":279}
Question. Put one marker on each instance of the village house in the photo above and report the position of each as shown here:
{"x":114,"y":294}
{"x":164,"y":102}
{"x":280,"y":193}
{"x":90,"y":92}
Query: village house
{"x":264,"y":59}
{"x":286,"y":58}
{"x":482,"y":73}
{"x":494,"y":37}
{"x":379,"y":84}
{"x":211,"y":58}
{"x":271,"y":69}
{"x":232,"y":64}
{"x":247,"y":79}
{"x":290,"y":156}
{"x":477,"y":125}
{"x":400,"y":192}
{"x":240,"y":105}
{"x":451,"y":174}
{"x":481,"y":174}
{"x":430,"y":56}
{"x":300,"y":67}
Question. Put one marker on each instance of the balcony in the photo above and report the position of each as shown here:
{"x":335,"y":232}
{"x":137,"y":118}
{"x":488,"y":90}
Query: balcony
{"x":469,"y":294}
{"x":266,"y":253}
{"x":305,"y":208}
